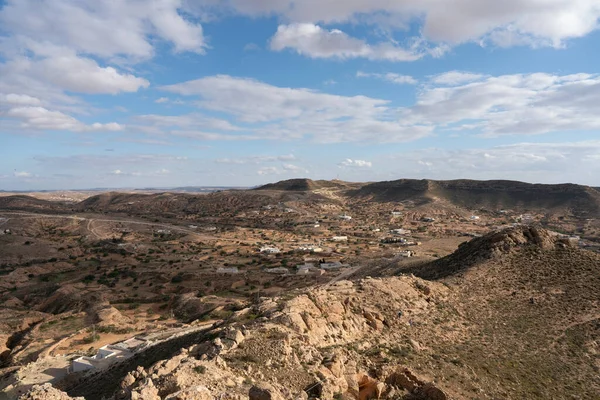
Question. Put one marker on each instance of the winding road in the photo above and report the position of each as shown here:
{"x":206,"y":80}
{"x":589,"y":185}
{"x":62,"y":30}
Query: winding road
{"x":91,"y":221}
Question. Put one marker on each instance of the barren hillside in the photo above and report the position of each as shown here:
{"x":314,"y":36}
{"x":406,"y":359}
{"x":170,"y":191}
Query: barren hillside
{"x":521,"y":322}
{"x":495,"y":195}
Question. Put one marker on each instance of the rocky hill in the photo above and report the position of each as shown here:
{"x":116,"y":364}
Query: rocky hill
{"x":564,"y":199}
{"x":489,"y":248}
{"x":494,"y":195}
{"x":519,"y":321}
{"x":300,"y":185}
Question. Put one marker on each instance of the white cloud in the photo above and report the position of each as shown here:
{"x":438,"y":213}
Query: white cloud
{"x":313,"y":41}
{"x":148,"y":122}
{"x":39,"y":118}
{"x":294,"y":168}
{"x":251,"y":47}
{"x":162,"y":100}
{"x":269,"y":171}
{"x":22,"y":174}
{"x":390,"y":77}
{"x":19,"y":100}
{"x":53,"y":49}
{"x":105,"y":29}
{"x":271,"y":112}
{"x":348,"y":162}
{"x":530,"y":162}
{"x":255,"y":159}
{"x":522,"y":104}
{"x":455,"y":78}
{"x":473,"y":104}
{"x":83,"y":75}
{"x":511,"y":22}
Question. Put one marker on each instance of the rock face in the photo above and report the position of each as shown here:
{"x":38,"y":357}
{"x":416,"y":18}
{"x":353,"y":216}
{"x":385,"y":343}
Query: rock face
{"x":492,"y":245}
{"x":70,"y":298}
{"x":342,"y":340}
{"x":108,"y":315}
{"x":47,"y":392}
{"x":263,"y":391}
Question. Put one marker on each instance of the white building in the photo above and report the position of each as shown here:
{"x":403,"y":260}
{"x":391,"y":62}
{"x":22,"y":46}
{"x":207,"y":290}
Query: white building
{"x":278,"y":271}
{"x":339,"y":238}
{"x":396,"y":213}
{"x":474,"y":218}
{"x":305,"y":269}
{"x":406,"y":253}
{"x":106,"y":356}
{"x":311,"y":248}
{"x":228,"y":270}
{"x":345,"y":217}
{"x":333,"y":265}
{"x":270,"y":250}
{"x":400,"y":231}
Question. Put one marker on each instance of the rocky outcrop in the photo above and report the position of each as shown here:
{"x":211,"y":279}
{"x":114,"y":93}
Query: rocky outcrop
{"x":264,"y":391}
{"x":70,"y":298}
{"x":336,"y":341}
{"x":488,"y":247}
{"x":47,"y":392}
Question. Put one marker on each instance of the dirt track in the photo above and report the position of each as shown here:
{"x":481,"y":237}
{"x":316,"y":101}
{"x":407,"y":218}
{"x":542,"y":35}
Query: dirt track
{"x":93,"y":231}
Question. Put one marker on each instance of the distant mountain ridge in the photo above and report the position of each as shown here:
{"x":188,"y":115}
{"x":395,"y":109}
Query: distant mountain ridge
{"x":303,"y":184}
{"x":579,"y":200}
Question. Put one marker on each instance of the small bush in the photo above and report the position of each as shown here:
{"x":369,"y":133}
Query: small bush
{"x":91,"y":338}
{"x":200,"y":369}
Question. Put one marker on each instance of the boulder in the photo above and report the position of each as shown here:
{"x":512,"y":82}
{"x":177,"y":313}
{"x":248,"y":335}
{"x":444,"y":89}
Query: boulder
{"x":195,"y":393}
{"x":47,"y":392}
{"x":264,"y":391}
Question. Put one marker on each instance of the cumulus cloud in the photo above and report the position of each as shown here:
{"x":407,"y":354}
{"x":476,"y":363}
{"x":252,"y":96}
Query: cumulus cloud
{"x":294,"y":168}
{"x":449,"y":103}
{"x":511,"y":22}
{"x":19,"y":100}
{"x":39,"y":118}
{"x":284,"y":169}
{"x":348,"y":162}
{"x":83,"y":75}
{"x":313,"y":41}
{"x":530,"y":162}
{"x":126,"y":27}
{"x":269,"y":171}
{"x":162,"y":100}
{"x":271,"y":112}
{"x":51,"y":50}
{"x":520,"y":104}
{"x":255,"y":159}
{"x":455,"y":78}
{"x":390,"y":77}
{"x":22,"y":174}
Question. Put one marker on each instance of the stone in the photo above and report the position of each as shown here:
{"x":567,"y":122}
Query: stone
{"x":264,"y":391}
{"x":147,"y":391}
{"x":195,"y":393}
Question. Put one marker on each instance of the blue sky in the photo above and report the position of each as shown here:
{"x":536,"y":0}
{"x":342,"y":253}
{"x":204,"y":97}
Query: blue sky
{"x":166,"y":93}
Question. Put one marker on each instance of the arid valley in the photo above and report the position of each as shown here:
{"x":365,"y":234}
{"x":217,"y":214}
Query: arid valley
{"x":303,"y":289}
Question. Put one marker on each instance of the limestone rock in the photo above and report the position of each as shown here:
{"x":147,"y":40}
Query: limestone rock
{"x":47,"y":392}
{"x":146,"y":391}
{"x":195,"y":393}
{"x":264,"y":391}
